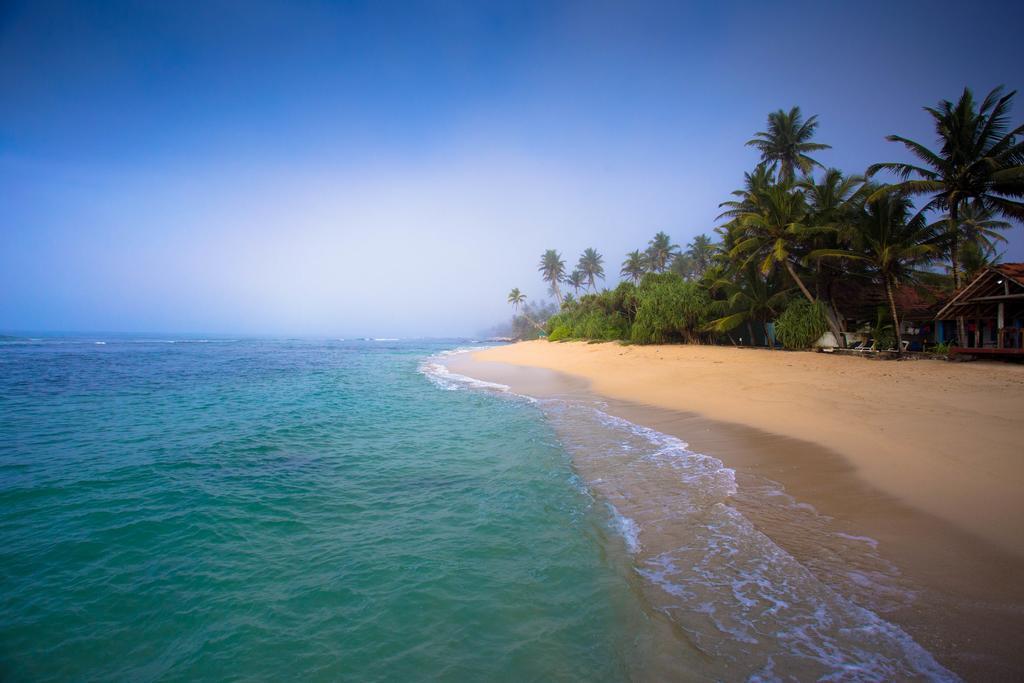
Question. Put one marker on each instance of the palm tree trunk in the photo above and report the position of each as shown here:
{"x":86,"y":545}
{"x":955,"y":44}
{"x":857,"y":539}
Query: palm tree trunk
{"x":767,"y":337}
{"x":895,"y":318}
{"x":833,"y":326}
{"x":750,"y":329}
{"x":954,"y":262}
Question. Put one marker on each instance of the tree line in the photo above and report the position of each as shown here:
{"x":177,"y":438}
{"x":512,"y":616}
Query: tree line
{"x":796,"y":230}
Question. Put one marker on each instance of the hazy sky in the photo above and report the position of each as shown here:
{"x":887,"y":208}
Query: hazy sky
{"x":393,"y":169}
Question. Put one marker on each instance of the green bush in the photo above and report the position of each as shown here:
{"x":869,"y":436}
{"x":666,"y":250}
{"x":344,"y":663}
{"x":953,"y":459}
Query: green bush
{"x":560,"y":332}
{"x":669,"y":309}
{"x":801,"y":324}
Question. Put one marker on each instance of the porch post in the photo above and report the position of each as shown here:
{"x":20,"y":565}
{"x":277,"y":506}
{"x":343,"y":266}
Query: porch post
{"x":999,"y":326}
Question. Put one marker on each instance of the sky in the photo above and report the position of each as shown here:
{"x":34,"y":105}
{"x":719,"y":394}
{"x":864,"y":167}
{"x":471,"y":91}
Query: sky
{"x":395,"y":168}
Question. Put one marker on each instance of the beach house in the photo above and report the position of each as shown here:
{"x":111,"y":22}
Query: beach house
{"x":992,"y":305}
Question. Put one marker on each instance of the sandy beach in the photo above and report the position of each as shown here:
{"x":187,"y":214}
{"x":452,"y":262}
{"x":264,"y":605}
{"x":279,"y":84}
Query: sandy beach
{"x":922,"y":457}
{"x":947,"y":438}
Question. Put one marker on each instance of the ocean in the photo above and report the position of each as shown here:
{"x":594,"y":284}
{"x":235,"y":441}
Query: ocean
{"x":186,"y":509}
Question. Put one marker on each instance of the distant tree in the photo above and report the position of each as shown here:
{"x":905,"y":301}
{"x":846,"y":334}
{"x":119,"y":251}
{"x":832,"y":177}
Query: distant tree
{"x":591,"y":266}
{"x":700,"y":252}
{"x":552,"y":270}
{"x":516,"y":298}
{"x":576,"y":280}
{"x":634,"y":266}
{"x":787,"y":142}
{"x":660,"y":252}
{"x":684,"y":266}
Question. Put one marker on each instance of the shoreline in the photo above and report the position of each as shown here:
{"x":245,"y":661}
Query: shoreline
{"x":968,"y":605}
{"x":944,"y":437}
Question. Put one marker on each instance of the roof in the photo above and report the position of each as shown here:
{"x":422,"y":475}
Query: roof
{"x":1014,"y":271}
{"x":861,"y":300}
{"x":989,"y":286}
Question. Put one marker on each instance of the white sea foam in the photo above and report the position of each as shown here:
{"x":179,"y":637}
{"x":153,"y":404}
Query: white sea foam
{"x":436,"y":370}
{"x":736,"y":593}
{"x":627,"y":528}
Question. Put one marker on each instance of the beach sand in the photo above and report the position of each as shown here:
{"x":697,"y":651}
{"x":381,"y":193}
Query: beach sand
{"x":925,"y":458}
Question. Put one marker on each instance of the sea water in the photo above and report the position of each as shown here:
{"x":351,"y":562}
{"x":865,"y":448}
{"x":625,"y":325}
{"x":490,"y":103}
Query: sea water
{"x":184,"y":509}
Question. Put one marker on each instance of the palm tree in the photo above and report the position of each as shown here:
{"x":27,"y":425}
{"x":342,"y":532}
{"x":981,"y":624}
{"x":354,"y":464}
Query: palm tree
{"x":834,"y":201}
{"x":591,"y":265}
{"x":552,"y":269}
{"x":787,"y":142}
{"x":700,"y":252}
{"x":684,"y":267}
{"x":516,"y":298}
{"x":979,"y":160}
{"x":774,"y":231}
{"x":576,"y":280}
{"x":892,"y":243}
{"x":975,"y":257}
{"x":750,"y":298}
{"x":978,"y":229}
{"x":660,"y":252}
{"x":634,"y":266}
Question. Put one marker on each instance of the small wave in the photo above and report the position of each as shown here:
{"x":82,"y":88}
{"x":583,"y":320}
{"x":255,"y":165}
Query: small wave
{"x":738,"y":595}
{"x":627,"y":528}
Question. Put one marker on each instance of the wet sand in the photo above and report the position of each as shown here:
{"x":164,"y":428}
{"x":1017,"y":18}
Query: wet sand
{"x":967,"y":605}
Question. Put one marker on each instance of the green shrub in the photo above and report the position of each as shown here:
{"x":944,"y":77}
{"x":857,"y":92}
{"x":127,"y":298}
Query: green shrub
{"x":801,"y":324}
{"x":560,"y":332}
{"x":669,"y":309}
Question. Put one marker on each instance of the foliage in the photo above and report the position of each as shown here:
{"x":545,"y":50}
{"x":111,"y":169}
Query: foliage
{"x":660,"y":252}
{"x":531,"y":320}
{"x":605,"y":316}
{"x":552,"y":270}
{"x":590,"y":267}
{"x":883,"y":332}
{"x":801,"y":324}
{"x":634,"y":266}
{"x":799,"y":230}
{"x":669,"y":309}
{"x":786,"y":143}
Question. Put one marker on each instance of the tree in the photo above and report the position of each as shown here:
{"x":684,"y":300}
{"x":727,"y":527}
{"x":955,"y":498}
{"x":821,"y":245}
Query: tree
{"x":978,"y":230}
{"x":787,"y":142}
{"x":979,"y":160}
{"x":774,"y":231}
{"x":576,"y":281}
{"x":660,"y":252}
{"x":892,"y":243}
{"x":591,"y":266}
{"x":552,"y":270}
{"x":516,"y":298}
{"x":634,"y":266}
{"x":750,"y":298}
{"x":700,"y":252}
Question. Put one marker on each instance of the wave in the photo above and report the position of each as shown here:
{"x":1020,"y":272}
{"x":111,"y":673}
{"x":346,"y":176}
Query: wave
{"x":736,"y":593}
{"x":436,"y":370}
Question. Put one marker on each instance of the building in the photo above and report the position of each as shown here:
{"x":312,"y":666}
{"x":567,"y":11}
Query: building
{"x":992,"y":306}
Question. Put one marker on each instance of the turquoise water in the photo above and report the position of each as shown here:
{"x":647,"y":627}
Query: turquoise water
{"x":293,"y":509}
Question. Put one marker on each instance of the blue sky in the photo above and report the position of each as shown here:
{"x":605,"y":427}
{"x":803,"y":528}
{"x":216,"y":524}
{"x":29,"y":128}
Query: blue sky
{"x":393,"y":169}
